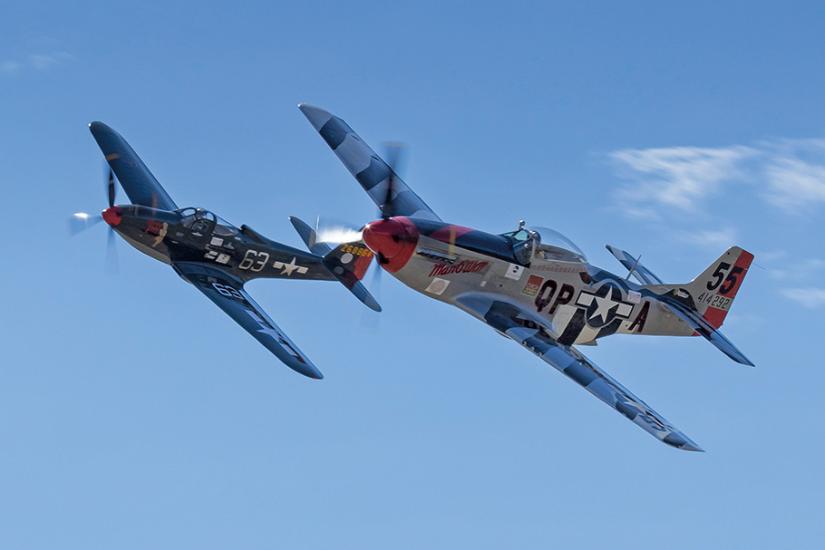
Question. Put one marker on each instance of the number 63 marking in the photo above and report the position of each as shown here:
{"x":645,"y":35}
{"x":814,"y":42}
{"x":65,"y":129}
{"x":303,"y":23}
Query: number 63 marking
{"x":228,"y":291}
{"x":254,"y":260}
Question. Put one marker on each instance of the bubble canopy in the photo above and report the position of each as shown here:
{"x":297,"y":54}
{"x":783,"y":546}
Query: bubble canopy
{"x":204,"y":220}
{"x":551,"y":245}
{"x":554,"y":243}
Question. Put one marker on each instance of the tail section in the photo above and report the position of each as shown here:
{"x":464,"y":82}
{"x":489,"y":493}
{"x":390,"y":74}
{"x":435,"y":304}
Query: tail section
{"x":715,"y":289}
{"x":348,"y":262}
{"x":700,"y":305}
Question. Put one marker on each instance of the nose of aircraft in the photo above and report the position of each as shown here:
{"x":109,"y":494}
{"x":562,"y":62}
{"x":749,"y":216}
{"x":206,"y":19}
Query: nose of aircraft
{"x":112,"y":215}
{"x":393,"y":240}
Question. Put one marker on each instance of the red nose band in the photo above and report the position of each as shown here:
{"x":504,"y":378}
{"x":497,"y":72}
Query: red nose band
{"x":112,"y":216}
{"x":392,"y":240}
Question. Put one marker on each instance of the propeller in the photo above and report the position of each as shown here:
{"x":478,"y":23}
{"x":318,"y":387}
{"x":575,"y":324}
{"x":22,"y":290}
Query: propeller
{"x":80,"y":221}
{"x":110,"y":186}
{"x":394,"y":155}
{"x":335,"y":232}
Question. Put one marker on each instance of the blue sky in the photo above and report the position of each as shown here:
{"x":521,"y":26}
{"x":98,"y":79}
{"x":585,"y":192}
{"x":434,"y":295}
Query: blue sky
{"x":134,"y":414}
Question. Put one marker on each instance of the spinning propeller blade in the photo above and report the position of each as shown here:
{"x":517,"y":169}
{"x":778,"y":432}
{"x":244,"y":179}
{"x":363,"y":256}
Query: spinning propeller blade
{"x":110,"y":186}
{"x":80,"y":221}
{"x":111,"y":252}
{"x":394,"y":155}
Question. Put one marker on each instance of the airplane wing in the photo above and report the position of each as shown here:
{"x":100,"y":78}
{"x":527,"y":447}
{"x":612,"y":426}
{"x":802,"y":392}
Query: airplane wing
{"x":520,"y":326}
{"x":138,"y":182}
{"x":368,"y":168}
{"x":228,"y":294}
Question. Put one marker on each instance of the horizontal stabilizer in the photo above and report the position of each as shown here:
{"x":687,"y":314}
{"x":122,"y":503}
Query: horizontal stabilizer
{"x":702,"y":327}
{"x":348,"y":262}
{"x":634,"y":267}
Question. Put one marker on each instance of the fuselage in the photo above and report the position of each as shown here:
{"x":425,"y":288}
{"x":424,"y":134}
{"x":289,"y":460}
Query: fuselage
{"x":196,"y":235}
{"x":576,"y":303}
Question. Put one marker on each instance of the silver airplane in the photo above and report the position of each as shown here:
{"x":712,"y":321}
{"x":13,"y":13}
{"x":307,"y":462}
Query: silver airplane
{"x":531,"y":284}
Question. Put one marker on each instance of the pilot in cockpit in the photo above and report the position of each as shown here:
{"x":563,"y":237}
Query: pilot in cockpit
{"x":204,"y":222}
{"x":541,"y":243}
{"x":525,"y":243}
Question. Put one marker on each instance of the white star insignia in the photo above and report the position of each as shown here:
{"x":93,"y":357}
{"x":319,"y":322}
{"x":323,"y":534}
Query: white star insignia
{"x":292,"y":266}
{"x":289,"y":268}
{"x":603,"y":307}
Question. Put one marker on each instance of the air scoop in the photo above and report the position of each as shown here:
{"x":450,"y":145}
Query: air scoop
{"x":393,"y":240}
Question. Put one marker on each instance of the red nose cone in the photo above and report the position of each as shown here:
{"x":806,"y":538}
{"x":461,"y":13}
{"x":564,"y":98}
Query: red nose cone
{"x":393,"y":241}
{"x":112,"y":216}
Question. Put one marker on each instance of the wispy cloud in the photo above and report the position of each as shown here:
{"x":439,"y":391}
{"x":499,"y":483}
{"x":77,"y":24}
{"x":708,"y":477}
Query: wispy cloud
{"x":711,"y":238}
{"x":788,"y":174}
{"x":34,"y":62}
{"x":797,"y":270}
{"x":809,"y":297}
{"x":678,"y":176}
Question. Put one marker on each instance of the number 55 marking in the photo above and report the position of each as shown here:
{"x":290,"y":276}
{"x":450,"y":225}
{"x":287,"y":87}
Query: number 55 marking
{"x":730,"y":281}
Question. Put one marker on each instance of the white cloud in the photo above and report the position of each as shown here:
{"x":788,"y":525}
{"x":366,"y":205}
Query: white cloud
{"x":35,"y":61}
{"x":809,"y":297}
{"x":794,"y":183}
{"x":679,"y":176}
{"x":788,"y":174}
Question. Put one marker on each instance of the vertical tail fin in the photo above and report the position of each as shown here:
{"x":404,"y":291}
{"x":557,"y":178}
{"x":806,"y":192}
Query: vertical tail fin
{"x":715,"y":289}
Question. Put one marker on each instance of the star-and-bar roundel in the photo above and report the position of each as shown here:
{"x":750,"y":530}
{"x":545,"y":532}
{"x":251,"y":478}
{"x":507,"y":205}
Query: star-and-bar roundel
{"x":604,"y":305}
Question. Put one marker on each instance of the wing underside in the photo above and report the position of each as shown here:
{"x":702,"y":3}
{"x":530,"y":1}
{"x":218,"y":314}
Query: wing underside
{"x":366,"y":166}
{"x":510,"y":321}
{"x":228,"y":294}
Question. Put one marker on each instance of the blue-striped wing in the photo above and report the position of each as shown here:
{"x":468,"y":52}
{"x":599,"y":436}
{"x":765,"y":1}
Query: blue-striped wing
{"x":368,"y":168}
{"x":138,"y":182}
{"x":520,"y":326}
{"x":229,"y":295}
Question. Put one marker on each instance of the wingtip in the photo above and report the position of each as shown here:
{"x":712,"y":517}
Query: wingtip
{"x":98,"y":128}
{"x":680,"y":441}
{"x":311,"y":372}
{"x":316,"y":115}
{"x":742,"y":360}
{"x":303,"y":367}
